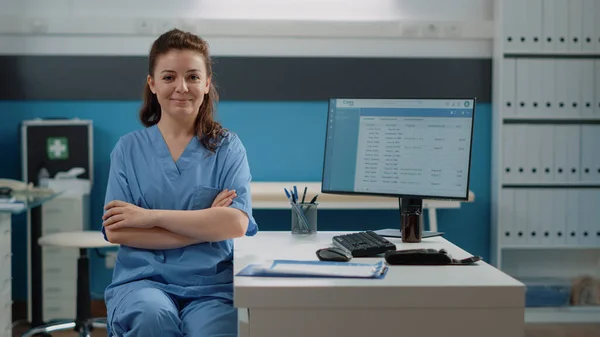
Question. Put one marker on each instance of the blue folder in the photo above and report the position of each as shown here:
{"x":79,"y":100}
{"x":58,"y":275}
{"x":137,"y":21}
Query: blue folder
{"x":320,"y":269}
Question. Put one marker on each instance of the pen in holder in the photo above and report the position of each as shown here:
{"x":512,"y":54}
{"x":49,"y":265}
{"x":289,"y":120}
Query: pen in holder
{"x":304,"y":218}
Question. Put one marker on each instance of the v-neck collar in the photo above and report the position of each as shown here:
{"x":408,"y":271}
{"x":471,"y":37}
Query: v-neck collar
{"x":172,"y":167}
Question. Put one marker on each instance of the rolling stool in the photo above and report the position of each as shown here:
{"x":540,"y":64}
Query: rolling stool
{"x":83,"y":323}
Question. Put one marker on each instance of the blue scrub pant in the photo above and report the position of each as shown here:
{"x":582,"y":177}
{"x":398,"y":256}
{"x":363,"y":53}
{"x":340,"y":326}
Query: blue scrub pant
{"x":152,"y":312}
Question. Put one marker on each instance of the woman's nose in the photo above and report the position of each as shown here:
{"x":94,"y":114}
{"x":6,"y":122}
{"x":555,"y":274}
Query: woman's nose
{"x":181,"y":86}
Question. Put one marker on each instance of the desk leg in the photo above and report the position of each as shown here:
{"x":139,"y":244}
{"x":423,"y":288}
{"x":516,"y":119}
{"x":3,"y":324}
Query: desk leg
{"x":5,"y":276}
{"x":35,"y":232}
{"x":432,"y":219}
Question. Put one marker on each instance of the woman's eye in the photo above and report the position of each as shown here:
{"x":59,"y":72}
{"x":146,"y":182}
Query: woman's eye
{"x":168,"y":78}
{"x":195,"y":77}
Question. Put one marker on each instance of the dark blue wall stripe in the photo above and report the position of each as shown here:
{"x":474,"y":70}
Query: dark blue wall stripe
{"x":102,"y":78}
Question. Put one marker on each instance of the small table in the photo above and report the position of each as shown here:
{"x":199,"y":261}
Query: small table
{"x":411,"y":301}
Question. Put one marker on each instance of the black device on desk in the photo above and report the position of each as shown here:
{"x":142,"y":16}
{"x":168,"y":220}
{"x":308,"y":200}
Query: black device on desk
{"x":362,"y":244}
{"x":410,"y":149}
{"x":425,"y":256}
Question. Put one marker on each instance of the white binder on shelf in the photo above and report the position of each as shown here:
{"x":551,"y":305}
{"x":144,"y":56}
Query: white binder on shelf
{"x":589,"y":150}
{"x":509,"y":84}
{"x":533,"y":154}
{"x":548,"y":83}
{"x":559,"y":216}
{"x":562,"y":25}
{"x":523,"y":86}
{"x":549,"y":27}
{"x":575,"y":24}
{"x":596,"y":218}
{"x":509,"y":154}
{"x":559,"y":138}
{"x":597,"y":84}
{"x":573,"y":107}
{"x":590,"y":16}
{"x":596,"y":158}
{"x":510,"y":27}
{"x":535,"y":88}
{"x":546,"y":153}
{"x":546,"y":217}
{"x":573,"y":152}
{"x":586,"y":228}
{"x":521,"y":208}
{"x":572,"y":223}
{"x":507,"y":231}
{"x":533,"y":25}
{"x":597,"y":28}
{"x":586,"y":71}
{"x":534,"y":210}
{"x":520,"y":153}
{"x":561,"y":87}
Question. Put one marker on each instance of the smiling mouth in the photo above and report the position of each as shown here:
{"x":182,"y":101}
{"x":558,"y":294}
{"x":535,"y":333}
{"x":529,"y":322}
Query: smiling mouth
{"x":180,"y":100}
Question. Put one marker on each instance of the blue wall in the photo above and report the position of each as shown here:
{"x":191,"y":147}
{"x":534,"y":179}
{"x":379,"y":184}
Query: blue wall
{"x":284,"y":141}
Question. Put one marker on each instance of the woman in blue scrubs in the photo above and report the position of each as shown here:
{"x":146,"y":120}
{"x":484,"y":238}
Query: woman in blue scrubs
{"x":178,"y":193}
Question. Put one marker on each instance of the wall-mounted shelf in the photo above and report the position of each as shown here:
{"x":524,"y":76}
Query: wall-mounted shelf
{"x":551,"y":120}
{"x":562,"y":315}
{"x":566,"y":184}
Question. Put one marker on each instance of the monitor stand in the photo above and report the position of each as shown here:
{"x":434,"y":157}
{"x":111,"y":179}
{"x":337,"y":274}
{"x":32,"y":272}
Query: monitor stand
{"x":411,"y":212}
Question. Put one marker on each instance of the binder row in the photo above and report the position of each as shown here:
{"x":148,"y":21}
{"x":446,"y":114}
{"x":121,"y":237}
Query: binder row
{"x":551,"y":25}
{"x":542,"y":153}
{"x":568,"y":88}
{"x":550,"y":217}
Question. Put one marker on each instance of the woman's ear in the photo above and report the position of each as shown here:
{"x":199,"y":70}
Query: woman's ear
{"x":150,"y":82}
{"x":208,"y":82}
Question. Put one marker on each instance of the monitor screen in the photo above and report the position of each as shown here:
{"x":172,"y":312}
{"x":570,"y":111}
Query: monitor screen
{"x":415,"y":148}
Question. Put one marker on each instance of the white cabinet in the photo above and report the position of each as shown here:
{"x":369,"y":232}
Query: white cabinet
{"x":69,"y":212}
{"x":546,"y":135}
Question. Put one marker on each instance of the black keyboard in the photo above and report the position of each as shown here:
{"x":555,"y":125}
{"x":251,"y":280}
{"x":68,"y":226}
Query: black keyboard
{"x":366,"y":243}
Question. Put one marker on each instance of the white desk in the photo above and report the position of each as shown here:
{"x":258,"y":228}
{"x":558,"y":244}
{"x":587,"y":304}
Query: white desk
{"x":419,"y":301}
{"x":270,"y":195}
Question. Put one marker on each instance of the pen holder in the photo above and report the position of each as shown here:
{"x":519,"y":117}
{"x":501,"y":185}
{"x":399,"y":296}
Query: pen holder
{"x":310,"y":214}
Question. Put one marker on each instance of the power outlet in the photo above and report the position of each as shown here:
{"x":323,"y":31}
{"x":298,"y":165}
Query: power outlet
{"x":165,"y":25}
{"x":431,"y":30}
{"x":38,"y":26}
{"x":453,"y":30}
{"x":143,"y":27}
{"x":409,"y":30}
{"x":110,"y":259}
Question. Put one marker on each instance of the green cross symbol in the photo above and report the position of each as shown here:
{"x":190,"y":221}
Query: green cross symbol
{"x":57,"y":148}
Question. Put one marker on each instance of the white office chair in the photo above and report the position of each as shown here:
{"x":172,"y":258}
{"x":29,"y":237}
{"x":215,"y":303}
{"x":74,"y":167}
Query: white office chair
{"x":83,"y":323}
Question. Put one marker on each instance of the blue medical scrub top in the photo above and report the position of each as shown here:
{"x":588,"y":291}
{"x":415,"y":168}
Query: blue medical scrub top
{"x":143,"y":173}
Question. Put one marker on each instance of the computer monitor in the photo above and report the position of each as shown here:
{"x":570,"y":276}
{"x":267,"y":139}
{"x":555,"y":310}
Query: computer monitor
{"x":412,"y":149}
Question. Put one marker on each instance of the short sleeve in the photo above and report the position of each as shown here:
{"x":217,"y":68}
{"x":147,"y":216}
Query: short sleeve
{"x":236,"y":176}
{"x":117,"y":187}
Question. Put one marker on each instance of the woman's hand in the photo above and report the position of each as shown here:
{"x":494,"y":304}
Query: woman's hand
{"x":224,"y":199}
{"x":120,"y":214}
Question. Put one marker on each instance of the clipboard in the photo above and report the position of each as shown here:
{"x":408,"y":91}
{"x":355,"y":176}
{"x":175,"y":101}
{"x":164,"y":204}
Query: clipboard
{"x":319,"y":269}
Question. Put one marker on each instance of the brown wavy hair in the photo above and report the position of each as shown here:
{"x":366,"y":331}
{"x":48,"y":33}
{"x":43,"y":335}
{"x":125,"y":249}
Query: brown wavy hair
{"x":207,"y":130}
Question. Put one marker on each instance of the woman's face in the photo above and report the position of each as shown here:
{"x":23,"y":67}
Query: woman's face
{"x":180,"y":82}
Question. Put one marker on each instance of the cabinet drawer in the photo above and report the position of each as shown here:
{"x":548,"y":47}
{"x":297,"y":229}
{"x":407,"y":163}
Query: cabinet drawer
{"x":5,"y":240}
{"x":62,"y":215}
{"x":5,"y":263}
{"x":59,"y":308}
{"x":62,"y":265}
{"x":5,"y":321}
{"x":59,"y":287}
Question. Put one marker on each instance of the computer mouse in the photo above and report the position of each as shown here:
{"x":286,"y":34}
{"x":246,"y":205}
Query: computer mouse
{"x":333,"y":254}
